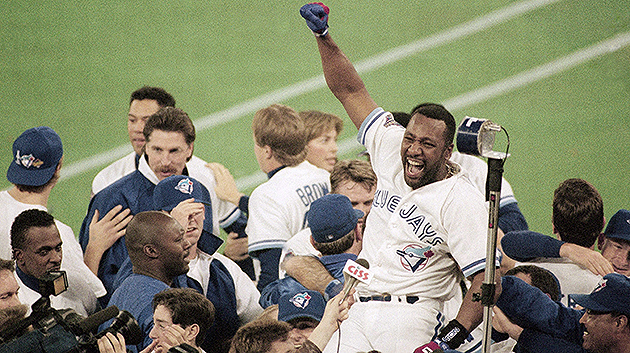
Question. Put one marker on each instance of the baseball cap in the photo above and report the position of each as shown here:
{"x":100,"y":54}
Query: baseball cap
{"x":619,"y":226}
{"x":36,"y":154}
{"x":169,"y":192}
{"x":611,"y":294}
{"x":331,"y":217}
{"x":302,"y":304}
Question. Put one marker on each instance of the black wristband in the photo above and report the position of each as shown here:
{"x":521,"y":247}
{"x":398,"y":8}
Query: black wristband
{"x":454,"y":334}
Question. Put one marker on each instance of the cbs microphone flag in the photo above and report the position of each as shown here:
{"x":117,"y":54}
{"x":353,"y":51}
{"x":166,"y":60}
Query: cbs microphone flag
{"x":357,"y":271}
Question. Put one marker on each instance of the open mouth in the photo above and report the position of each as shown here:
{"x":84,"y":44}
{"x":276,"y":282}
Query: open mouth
{"x":413,"y":168}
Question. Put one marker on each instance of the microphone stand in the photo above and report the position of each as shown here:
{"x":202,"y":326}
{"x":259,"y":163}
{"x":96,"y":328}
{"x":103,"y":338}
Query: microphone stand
{"x":488,"y":288}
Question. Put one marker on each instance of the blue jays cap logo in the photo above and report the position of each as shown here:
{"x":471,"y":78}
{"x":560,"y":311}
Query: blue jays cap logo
{"x":601,"y":285}
{"x":28,"y":160}
{"x":185,"y":186}
{"x":414,"y":257}
{"x":301,"y":300}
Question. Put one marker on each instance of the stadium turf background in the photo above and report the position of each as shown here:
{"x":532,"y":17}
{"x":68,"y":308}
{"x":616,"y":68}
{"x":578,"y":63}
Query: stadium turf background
{"x":71,"y":65}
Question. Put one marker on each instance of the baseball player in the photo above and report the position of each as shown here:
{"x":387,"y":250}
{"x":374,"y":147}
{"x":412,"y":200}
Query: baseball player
{"x":278,"y":207}
{"x":427,"y":226}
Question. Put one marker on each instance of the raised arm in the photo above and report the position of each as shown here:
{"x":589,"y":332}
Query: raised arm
{"x":341,"y":77}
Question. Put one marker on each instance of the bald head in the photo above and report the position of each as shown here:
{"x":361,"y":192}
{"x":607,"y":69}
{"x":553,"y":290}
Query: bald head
{"x":146,"y":228}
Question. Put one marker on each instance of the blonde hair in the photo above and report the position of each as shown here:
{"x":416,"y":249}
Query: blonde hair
{"x":317,"y":123}
{"x":281,"y":128}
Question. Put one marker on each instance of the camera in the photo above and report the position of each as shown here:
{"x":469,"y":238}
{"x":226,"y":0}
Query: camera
{"x":49,"y":330}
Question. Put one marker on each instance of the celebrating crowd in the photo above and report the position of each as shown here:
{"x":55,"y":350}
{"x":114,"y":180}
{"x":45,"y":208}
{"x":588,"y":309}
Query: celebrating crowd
{"x":411,"y":208}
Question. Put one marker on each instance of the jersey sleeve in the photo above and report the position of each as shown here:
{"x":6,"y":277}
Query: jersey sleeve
{"x":247,"y":296}
{"x":527,"y":245}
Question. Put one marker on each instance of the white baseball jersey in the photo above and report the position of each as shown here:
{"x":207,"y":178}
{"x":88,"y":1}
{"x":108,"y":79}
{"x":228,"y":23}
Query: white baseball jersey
{"x":77,"y":297}
{"x":417,"y":243}
{"x":278,"y":207}
{"x":113,"y":172}
{"x":72,"y":255}
{"x":223,"y":212}
{"x":573,"y":278}
{"x":298,"y":245}
{"x":247,"y":296}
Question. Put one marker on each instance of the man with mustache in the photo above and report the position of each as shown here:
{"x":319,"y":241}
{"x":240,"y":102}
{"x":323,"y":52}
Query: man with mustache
{"x":170,"y":136}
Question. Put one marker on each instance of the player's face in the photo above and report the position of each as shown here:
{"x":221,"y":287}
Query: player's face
{"x":8,"y":290}
{"x":597,"y":328}
{"x":42,"y":251}
{"x":174,"y":249}
{"x":322,"y":150}
{"x":168,"y":153}
{"x":424,"y":152}
{"x":618,"y":253}
{"x":139,"y":112}
{"x":360,"y":197}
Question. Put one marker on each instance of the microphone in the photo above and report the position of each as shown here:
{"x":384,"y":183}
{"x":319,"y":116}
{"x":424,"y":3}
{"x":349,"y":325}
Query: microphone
{"x":92,"y":322}
{"x":353,"y":273}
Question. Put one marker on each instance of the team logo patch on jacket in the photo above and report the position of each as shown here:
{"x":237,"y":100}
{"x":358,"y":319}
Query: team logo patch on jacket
{"x":414,"y":257}
{"x":185,"y":186}
{"x":301,"y":300}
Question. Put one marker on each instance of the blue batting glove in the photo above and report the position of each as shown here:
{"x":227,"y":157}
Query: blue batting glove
{"x":316,"y":16}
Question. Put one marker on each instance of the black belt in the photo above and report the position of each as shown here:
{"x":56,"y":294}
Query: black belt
{"x":410,"y":299}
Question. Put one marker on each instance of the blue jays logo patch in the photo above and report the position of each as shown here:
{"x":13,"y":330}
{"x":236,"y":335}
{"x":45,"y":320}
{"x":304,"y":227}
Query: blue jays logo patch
{"x":600,"y":285}
{"x":301,"y":300}
{"x":185,"y":186}
{"x":414,"y":257}
{"x":28,"y":160}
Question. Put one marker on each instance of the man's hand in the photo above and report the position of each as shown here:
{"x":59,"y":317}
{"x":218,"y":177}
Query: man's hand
{"x":104,"y":233}
{"x":226,"y":185}
{"x":173,"y":335}
{"x":111,"y":344}
{"x":316,"y":16}
{"x":501,"y":323}
{"x":590,"y":259}
{"x":334,"y":314}
{"x":185,"y":209}
{"x":235,"y":247}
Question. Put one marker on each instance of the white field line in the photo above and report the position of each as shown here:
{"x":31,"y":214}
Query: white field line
{"x":493,"y":90}
{"x":477,"y":25}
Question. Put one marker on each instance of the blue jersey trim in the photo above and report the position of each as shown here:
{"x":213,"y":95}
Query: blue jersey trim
{"x":266,"y":244}
{"x":367,"y":123}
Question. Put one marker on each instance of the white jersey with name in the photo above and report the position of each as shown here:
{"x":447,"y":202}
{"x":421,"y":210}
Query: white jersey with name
{"x":113,"y":172}
{"x":72,"y":254}
{"x":436,"y":234}
{"x":247,"y":296}
{"x":573,"y":278}
{"x":278,"y":207}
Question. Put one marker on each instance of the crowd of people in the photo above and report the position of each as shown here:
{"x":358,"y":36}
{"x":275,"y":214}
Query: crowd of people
{"x":413,"y":209}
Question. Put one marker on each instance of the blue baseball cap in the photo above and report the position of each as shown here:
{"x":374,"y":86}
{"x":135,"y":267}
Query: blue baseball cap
{"x":302,"y":304}
{"x":36,"y":154}
{"x":331,"y":217}
{"x":611,"y":294}
{"x":619,"y":226}
{"x":169,"y":192}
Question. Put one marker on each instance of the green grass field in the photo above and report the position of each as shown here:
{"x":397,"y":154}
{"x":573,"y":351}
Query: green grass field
{"x":71,"y":65}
